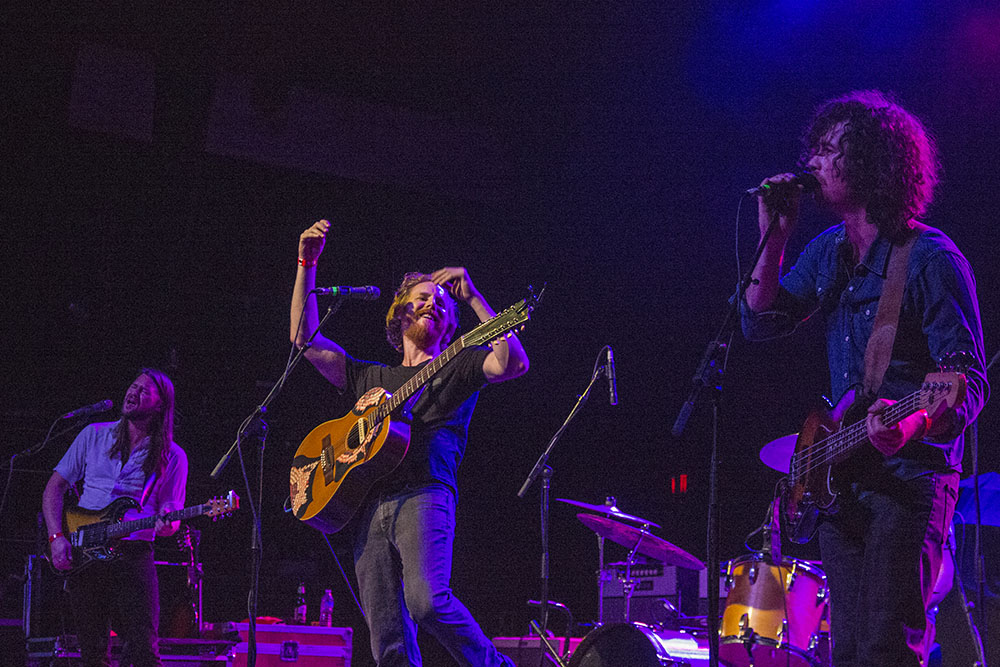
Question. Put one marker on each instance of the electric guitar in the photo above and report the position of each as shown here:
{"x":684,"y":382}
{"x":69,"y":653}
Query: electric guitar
{"x":339,"y":461}
{"x":94,"y":535}
{"x":823,"y":445}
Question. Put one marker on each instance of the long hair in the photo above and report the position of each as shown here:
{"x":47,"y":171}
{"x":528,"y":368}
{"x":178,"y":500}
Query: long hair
{"x":394,"y":318}
{"x":161,"y":431}
{"x":888,"y":157}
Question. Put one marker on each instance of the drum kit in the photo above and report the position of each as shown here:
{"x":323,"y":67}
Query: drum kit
{"x":773,"y":613}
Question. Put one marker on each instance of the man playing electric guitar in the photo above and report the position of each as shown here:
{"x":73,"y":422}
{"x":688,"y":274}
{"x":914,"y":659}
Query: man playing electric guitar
{"x":876,"y":168}
{"x":135,"y":457}
{"x":405,"y":529}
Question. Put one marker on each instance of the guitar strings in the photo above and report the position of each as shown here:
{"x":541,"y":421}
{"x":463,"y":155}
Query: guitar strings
{"x":851,"y":436}
{"x":834,"y":445}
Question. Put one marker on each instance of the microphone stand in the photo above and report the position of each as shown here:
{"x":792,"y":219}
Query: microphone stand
{"x":542,"y":468}
{"x":979,"y":568}
{"x":710,"y":373}
{"x":255,"y":426}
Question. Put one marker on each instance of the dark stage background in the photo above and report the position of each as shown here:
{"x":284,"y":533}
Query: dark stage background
{"x":159,"y":166}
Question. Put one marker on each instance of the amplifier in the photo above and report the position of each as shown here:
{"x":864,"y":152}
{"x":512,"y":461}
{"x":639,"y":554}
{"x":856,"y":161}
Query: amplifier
{"x":660,"y":592}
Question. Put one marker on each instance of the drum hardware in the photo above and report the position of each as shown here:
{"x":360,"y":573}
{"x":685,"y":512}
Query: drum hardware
{"x":548,"y":645}
{"x":783,"y":633}
{"x":773,"y":612}
{"x":641,"y":541}
{"x":662,"y":594}
{"x":638,"y":541}
{"x":790,"y":578}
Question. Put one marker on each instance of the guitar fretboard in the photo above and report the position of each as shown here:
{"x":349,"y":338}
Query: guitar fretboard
{"x":411,"y":386}
{"x":838,"y":445}
{"x":124,"y":528}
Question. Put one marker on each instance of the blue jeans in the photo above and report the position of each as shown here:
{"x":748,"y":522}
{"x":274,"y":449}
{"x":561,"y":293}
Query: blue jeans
{"x":402,"y":557}
{"x":882,"y":553}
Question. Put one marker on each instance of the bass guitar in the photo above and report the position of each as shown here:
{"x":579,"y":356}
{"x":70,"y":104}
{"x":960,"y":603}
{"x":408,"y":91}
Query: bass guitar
{"x":339,"y":461}
{"x":823,"y":446}
{"x":95,"y":535}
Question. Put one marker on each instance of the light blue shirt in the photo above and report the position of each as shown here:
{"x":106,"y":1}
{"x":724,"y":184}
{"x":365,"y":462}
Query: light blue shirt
{"x":105,"y":478}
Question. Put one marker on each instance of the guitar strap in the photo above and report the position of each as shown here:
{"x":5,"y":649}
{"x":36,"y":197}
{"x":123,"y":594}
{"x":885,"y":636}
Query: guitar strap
{"x":147,"y":489}
{"x":879,"y":349}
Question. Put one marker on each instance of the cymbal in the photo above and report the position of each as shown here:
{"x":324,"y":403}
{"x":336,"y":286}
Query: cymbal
{"x":777,"y":454}
{"x":649,"y":544}
{"x":611,"y":510}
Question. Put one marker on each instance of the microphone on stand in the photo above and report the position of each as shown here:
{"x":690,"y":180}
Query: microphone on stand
{"x":803,"y":179}
{"x":612,"y":382}
{"x":100,"y":406}
{"x":366,"y":293}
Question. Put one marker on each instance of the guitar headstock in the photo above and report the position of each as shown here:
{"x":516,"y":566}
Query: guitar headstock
{"x":941,"y":391}
{"x":218,"y":507}
{"x":504,"y":323}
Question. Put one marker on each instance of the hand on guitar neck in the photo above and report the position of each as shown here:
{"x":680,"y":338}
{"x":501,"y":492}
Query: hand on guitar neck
{"x":890,"y":439}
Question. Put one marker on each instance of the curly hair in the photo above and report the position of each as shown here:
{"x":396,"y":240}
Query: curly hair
{"x":888,"y":157}
{"x":394,"y":318}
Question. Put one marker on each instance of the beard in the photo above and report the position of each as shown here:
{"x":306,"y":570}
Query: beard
{"x":423,"y":334}
{"x":138,"y":414}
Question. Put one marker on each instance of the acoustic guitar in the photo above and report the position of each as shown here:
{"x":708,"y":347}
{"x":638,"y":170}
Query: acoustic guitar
{"x":340,"y":460}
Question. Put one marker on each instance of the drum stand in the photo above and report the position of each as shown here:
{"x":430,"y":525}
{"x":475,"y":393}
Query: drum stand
{"x":628,"y":583}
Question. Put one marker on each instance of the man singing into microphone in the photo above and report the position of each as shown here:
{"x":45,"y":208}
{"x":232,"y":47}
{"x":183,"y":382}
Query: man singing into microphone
{"x":138,"y":458}
{"x":404,"y":531}
{"x":876,"y":167}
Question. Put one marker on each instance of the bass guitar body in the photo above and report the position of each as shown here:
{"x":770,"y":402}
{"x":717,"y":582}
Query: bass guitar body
{"x":813,"y":493}
{"x":339,"y":461}
{"x":833,"y":449}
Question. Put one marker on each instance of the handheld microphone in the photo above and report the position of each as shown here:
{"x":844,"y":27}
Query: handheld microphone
{"x":367,"y":293}
{"x":806,"y":180}
{"x":100,"y":406}
{"x":612,"y":382}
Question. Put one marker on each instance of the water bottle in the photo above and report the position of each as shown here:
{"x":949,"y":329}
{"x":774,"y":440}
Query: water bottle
{"x":300,"y":605}
{"x":326,"y":610}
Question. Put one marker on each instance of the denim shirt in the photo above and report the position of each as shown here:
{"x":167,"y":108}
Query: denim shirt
{"x":939,"y":317}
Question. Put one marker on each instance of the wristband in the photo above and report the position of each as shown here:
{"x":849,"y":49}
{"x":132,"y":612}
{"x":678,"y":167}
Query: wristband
{"x":306,"y":262}
{"x":927,"y":424}
{"x":55,"y":536}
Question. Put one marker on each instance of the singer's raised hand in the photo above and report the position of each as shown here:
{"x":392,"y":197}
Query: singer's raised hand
{"x":312,"y":240}
{"x":456,"y":280}
{"x":783,"y":199}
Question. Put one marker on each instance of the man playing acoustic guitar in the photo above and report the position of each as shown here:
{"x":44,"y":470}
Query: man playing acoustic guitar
{"x":405,"y":528}
{"x":135,"y":457}
{"x":876,"y":168}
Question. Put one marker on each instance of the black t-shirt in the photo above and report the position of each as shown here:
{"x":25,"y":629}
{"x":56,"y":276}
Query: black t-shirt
{"x":441,"y":416}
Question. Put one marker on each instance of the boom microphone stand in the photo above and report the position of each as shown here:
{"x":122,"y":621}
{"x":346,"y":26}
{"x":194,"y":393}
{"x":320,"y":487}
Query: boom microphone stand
{"x":710,"y":373}
{"x":255,"y":426}
{"x":542,"y":468}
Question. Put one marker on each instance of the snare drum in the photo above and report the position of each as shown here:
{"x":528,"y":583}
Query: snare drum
{"x":639,"y":645}
{"x":772,"y":611}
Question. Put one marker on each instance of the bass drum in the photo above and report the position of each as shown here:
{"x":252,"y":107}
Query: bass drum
{"x":639,"y":645}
